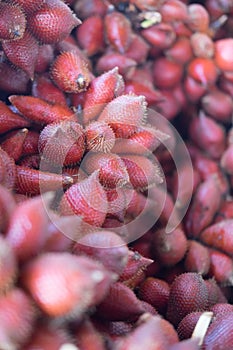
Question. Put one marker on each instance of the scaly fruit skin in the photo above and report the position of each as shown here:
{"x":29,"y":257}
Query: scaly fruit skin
{"x":52,"y":22}
{"x":23,"y":52}
{"x":12,"y":22}
{"x":88,"y":199}
{"x":10,"y":120}
{"x":188,"y":293}
{"x":40,"y":111}
{"x":70,"y":72}
{"x":62,"y":143}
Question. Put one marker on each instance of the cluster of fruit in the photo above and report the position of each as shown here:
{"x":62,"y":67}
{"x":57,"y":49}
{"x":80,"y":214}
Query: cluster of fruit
{"x":86,"y":260}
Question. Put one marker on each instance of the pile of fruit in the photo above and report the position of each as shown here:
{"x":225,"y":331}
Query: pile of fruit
{"x":116,"y":175}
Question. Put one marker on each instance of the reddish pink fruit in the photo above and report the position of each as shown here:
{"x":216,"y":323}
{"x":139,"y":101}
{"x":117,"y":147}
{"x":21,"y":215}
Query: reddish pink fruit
{"x":17,"y":312}
{"x":221,"y":267}
{"x":219,"y":236}
{"x":27,"y":230}
{"x":90,"y":35}
{"x":8,"y":265}
{"x":48,"y":337}
{"x":111,"y":60}
{"x":65,"y":285}
{"x":124,"y":114}
{"x":219,"y":333}
{"x":106,"y":247}
{"x":118,"y":31}
{"x":7,"y":207}
{"x":197,"y":258}
{"x":169,"y":248}
{"x":87,"y":337}
{"x":102,"y":90}
{"x":187,"y":324}
{"x":62,"y":143}
{"x":34,"y":182}
{"x":112,"y":170}
{"x":88,"y":199}
{"x":223,"y":56}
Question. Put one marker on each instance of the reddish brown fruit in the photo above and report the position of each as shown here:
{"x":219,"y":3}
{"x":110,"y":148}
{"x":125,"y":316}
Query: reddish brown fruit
{"x":17,"y":312}
{"x":44,"y":58}
{"x":31,"y":161}
{"x":52,"y":22}
{"x":120,"y":304}
{"x":138,"y":49}
{"x":155,"y":292}
{"x":187,"y":325}
{"x":13,"y":80}
{"x":227,"y":160}
{"x":118,"y":31}
{"x":219,"y":333}
{"x":106,"y":247}
{"x":23,"y":52}
{"x":193,"y":89}
{"x":169,"y":248}
{"x":222,"y":308}
{"x":203,"y":70}
{"x":65,"y":285}
{"x":30,"y":145}
{"x":197,"y":258}
{"x":44,"y":88}
{"x":102,"y":90}
{"x":88,"y":338}
{"x":133,"y":272}
{"x":93,"y":7}
{"x":208,"y":135}
{"x":7,"y":206}
{"x":215,"y":294}
{"x":70,"y":72}
{"x":28,"y":226}
{"x":188,"y":293}
{"x":219,"y":236}
{"x":12,"y":21}
{"x":10,"y":120}
{"x":90,"y":35}
{"x":152,"y":333}
{"x":166,"y":73}
{"x":40,"y":111}
{"x":62,"y":143}
{"x":225,"y":211}
{"x":180,"y":51}
{"x":206,"y":202}
{"x":141,"y":88}
{"x":86,"y":198}
{"x":13,"y":144}
{"x":7,"y":170}
{"x":48,"y":338}
{"x":161,"y":35}
{"x":30,"y":181}
{"x":212,"y":106}
{"x":112,"y":60}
